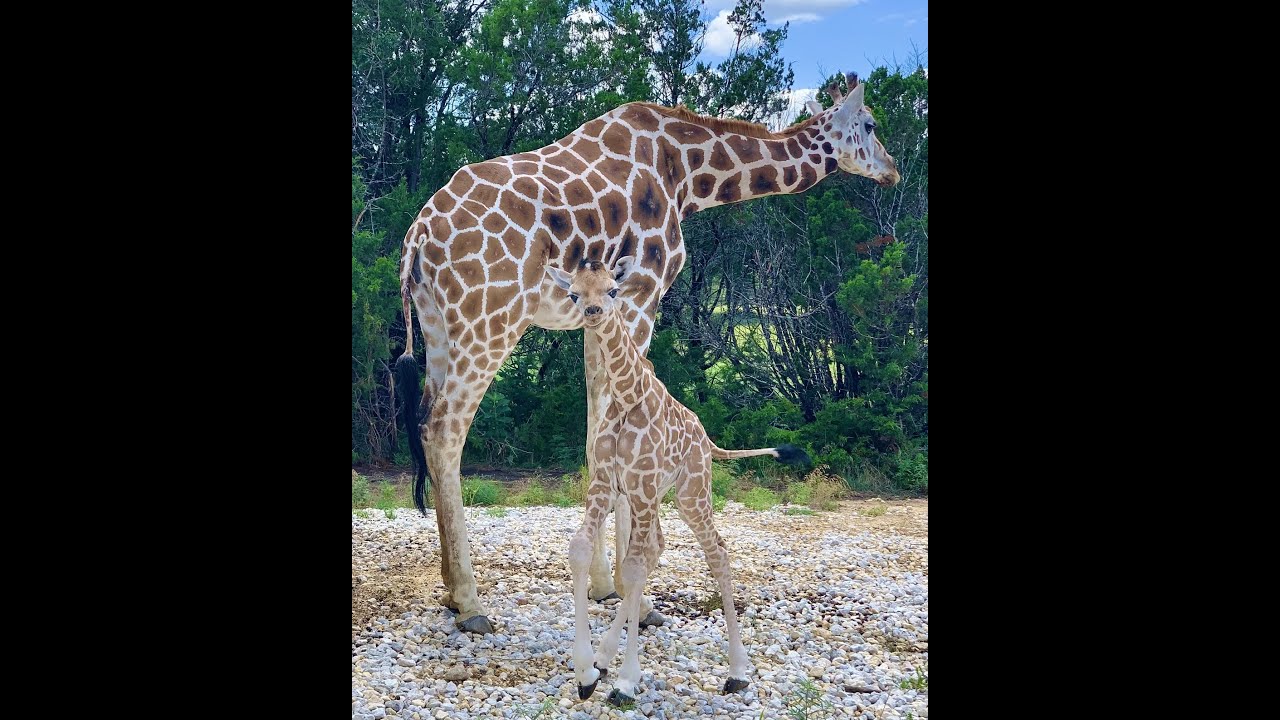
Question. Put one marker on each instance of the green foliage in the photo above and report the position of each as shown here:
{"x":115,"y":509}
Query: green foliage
{"x":362,"y":514}
{"x":480,"y":492}
{"x":919,"y":681}
{"x":797,"y":511}
{"x":359,"y":490}
{"x":759,"y":498}
{"x":799,"y":493}
{"x":807,"y":703}
{"x":537,"y":712}
{"x":497,"y":512}
{"x":721,"y":480}
{"x":532,"y":494}
{"x":390,"y":513}
{"x":874,"y":511}
{"x":717,"y":503}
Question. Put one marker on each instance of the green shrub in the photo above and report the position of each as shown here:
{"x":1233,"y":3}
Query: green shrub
{"x":759,"y":498}
{"x":481,"y":492}
{"x":721,"y":480}
{"x":359,"y":490}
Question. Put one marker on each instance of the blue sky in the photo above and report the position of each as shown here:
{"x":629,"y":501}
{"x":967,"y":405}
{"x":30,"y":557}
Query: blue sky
{"x":834,"y":35}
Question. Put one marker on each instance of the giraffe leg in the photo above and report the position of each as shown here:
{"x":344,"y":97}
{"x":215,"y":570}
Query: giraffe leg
{"x":451,"y":416}
{"x":436,"y":348}
{"x":581,"y":549}
{"x":635,"y":572}
{"x":621,"y":539}
{"x":695,"y":509}
{"x":602,"y":582}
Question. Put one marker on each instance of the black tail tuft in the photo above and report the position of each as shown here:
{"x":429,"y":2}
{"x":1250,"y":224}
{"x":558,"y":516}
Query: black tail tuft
{"x":792,"y":455}
{"x":407,"y":396}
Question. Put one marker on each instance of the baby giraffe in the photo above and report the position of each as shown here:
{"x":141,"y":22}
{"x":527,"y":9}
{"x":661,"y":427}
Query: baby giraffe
{"x":645,"y":444}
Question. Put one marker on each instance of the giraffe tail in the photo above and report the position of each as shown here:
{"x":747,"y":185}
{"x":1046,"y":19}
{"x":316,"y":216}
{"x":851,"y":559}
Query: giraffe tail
{"x":406,"y":386}
{"x":789,"y":454}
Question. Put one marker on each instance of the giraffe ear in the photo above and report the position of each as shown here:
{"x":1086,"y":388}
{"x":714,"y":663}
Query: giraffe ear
{"x":855,"y":97}
{"x":622,"y":268}
{"x":814,"y":107}
{"x":559,"y":277}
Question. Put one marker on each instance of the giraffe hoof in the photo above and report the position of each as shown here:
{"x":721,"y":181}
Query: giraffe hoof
{"x":610,"y":596}
{"x":584,"y":691}
{"x":479,"y":625}
{"x":618,"y":699}
{"x":732,"y":686}
{"x":653,"y":619}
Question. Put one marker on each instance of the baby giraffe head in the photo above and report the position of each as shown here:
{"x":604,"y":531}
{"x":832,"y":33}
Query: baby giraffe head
{"x":593,"y":288}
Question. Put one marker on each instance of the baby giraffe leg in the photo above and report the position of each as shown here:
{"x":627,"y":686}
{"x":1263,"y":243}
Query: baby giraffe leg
{"x":697,"y":515}
{"x":580,"y":555}
{"x":634,"y":575}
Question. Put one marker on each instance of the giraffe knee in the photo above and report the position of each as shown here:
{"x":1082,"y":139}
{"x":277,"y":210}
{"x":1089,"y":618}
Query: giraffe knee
{"x":633,"y":570}
{"x":581,"y":550}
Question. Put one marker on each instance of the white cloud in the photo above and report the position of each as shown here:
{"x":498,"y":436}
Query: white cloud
{"x":796,"y":11}
{"x":907,"y":19}
{"x":721,"y":38}
{"x":795,"y":105}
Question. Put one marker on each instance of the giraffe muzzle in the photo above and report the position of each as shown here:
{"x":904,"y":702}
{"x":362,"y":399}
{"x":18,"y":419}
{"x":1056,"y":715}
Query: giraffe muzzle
{"x":593,"y":310}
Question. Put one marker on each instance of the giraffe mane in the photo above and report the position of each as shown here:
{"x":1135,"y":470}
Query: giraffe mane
{"x":741,"y":127}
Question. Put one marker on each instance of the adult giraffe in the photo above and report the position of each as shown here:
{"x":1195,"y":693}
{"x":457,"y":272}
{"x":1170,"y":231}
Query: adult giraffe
{"x":473,"y":264}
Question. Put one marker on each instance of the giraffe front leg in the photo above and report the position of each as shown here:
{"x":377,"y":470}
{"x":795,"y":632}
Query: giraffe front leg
{"x":634,"y":575}
{"x":602,"y":585}
{"x":580,"y":551}
{"x":622,"y":539}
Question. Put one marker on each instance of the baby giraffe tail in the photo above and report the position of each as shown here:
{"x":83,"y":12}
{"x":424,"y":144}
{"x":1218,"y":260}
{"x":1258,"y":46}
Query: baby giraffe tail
{"x":789,"y":454}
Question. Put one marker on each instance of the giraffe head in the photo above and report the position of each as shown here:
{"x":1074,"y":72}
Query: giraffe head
{"x":859,"y":151}
{"x":594,"y":287}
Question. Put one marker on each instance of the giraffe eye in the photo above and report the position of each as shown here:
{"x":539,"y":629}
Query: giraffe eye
{"x":573,"y":297}
{"x":870,"y":126}
{"x":613,"y":293}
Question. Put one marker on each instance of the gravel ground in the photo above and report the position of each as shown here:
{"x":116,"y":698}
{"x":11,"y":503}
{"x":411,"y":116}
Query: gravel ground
{"x":838,"y":599}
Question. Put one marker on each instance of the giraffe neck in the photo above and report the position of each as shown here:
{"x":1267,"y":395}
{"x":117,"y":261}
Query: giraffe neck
{"x":629,"y":374}
{"x":731,"y":167}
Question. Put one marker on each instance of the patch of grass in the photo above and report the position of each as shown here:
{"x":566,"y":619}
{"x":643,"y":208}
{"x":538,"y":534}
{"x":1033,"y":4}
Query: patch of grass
{"x":759,"y":498}
{"x":386,"y":495}
{"x":498,"y":512}
{"x":919,"y":681}
{"x":359,"y":490}
{"x":670,"y":497}
{"x":722,"y":481}
{"x":531,"y":494}
{"x":797,"y":511}
{"x":868,"y":478}
{"x":538,"y":711}
{"x":717,"y":503}
{"x":362,"y":514}
{"x":806,"y":703}
{"x":799,"y":493}
{"x":712,"y":603}
{"x":480,"y":491}
{"x":390,"y":513}
{"x":824,"y":488}
{"x":874,"y":510}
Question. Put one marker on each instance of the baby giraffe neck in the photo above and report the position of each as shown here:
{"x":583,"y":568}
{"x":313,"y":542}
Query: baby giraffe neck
{"x":628,"y":373}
